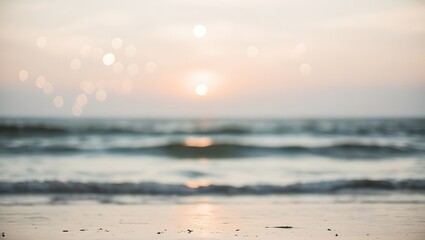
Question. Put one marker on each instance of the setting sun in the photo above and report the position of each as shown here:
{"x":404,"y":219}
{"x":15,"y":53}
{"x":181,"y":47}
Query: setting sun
{"x":201,"y":90}
{"x":199,"y":31}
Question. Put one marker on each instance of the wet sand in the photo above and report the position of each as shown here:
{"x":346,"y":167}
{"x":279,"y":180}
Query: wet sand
{"x":255,"y":218}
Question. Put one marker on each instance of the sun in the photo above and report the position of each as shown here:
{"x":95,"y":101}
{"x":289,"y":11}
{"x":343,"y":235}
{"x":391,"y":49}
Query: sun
{"x":199,"y":31}
{"x":201,"y":90}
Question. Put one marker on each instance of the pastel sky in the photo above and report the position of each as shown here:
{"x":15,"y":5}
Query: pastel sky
{"x":212,"y":58}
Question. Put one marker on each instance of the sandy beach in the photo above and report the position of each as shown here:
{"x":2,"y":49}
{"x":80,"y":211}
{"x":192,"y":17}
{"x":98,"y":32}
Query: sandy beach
{"x":89,"y":182}
{"x":216,"y":218}
{"x":218,"y":120}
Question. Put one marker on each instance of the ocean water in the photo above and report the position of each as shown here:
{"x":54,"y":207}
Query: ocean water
{"x":212,"y":157}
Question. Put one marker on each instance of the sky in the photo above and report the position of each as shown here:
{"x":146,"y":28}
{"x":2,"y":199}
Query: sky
{"x":212,"y":58}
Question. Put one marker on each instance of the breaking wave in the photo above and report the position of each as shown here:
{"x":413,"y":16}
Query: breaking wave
{"x":356,"y":127}
{"x":228,"y":150}
{"x":153,"y":188}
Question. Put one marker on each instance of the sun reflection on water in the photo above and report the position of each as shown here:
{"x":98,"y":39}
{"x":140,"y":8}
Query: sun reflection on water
{"x":203,"y":216}
{"x":198,"y":142}
{"x":198,"y":183}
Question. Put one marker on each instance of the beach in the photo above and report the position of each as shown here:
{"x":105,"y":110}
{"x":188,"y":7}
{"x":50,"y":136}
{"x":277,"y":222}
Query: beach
{"x":192,"y":119}
{"x":312,"y":217}
{"x":212,"y":179}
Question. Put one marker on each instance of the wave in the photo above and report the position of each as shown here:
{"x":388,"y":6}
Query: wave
{"x":153,"y":188}
{"x":31,"y":130}
{"x":229,"y":150}
{"x":46,"y":130}
{"x":355,"y":127}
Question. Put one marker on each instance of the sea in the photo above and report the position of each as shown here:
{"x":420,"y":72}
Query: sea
{"x":126,"y":160}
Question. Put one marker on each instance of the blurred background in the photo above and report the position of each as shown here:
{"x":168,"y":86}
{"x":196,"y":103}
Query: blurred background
{"x":212,"y":97}
{"x":288,"y":58}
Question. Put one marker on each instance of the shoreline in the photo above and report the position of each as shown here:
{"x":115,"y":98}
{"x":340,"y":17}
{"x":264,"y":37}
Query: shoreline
{"x":206,"y":218}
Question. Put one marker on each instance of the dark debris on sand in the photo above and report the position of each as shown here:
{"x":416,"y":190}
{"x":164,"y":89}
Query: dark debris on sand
{"x":283,"y":227}
{"x":101,"y":229}
{"x":3,"y":234}
{"x":65,"y":230}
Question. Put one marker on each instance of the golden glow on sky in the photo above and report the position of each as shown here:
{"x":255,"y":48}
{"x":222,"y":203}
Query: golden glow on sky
{"x":85,"y":51}
{"x":147,"y":57}
{"x":118,"y":67}
{"x":299,"y":50}
{"x":305,"y":69}
{"x":132,"y":69}
{"x":109,"y":59}
{"x":41,"y":42}
{"x":201,"y":89}
{"x":117,"y":43}
{"x":202,"y":83}
{"x":199,"y":31}
{"x":88,"y":87}
{"x":75,"y":64}
{"x":252,"y":51}
{"x":150,"y":67}
{"x":130,"y":51}
{"x":23,"y":75}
